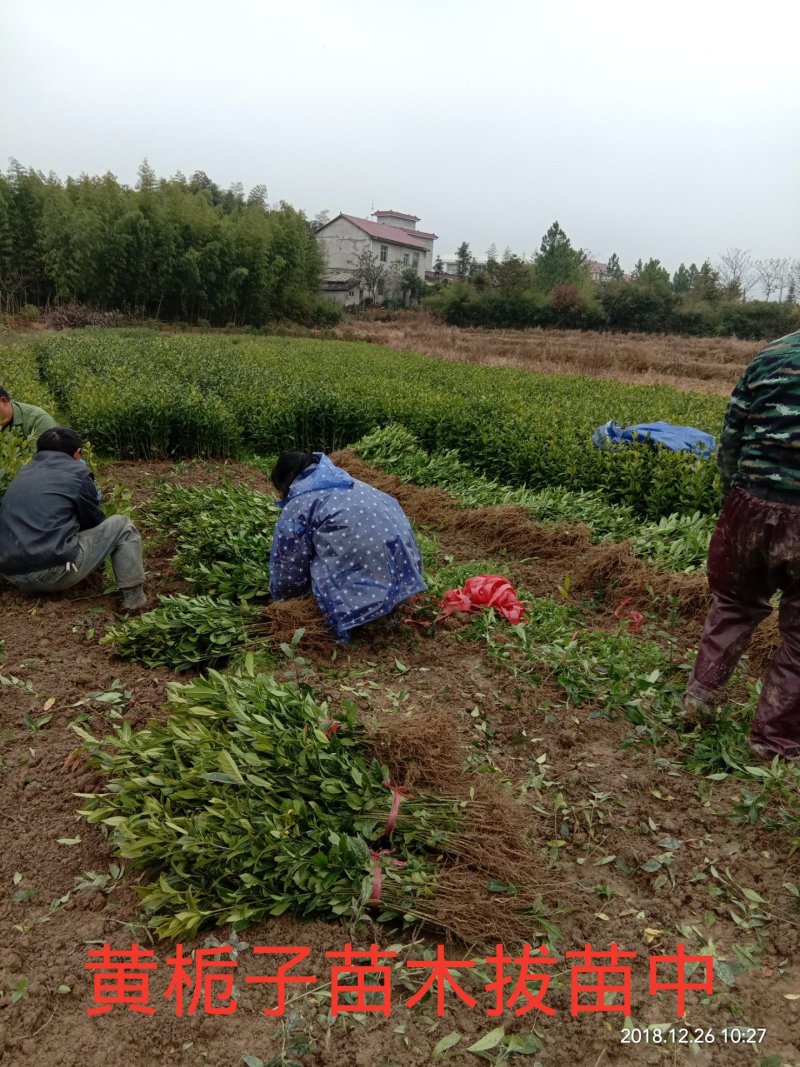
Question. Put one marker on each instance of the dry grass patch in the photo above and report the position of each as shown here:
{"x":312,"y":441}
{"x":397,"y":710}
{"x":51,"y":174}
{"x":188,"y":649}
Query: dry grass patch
{"x":699,"y":364}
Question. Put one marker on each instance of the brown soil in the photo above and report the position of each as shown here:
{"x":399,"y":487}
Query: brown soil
{"x":558,"y":790}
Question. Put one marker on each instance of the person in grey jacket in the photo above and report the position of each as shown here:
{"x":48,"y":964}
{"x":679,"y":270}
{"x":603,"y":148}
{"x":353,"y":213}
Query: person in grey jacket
{"x":53,"y":534}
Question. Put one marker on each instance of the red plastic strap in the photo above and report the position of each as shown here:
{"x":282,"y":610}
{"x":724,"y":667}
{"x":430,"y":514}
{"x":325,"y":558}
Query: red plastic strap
{"x":636,"y":618}
{"x":484,"y":590}
{"x":621,"y":609}
{"x":334,"y":726}
{"x":397,"y":800}
{"x":377,"y":873}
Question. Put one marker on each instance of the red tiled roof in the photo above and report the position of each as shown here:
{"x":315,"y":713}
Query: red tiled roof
{"x":397,"y":214}
{"x":379,"y":231}
{"x":422,"y":233}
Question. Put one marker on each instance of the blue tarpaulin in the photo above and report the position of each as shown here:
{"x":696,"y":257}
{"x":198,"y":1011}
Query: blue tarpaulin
{"x":666,"y":434}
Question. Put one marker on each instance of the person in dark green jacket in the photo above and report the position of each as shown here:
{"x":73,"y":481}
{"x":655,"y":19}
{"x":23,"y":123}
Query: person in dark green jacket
{"x":755,"y":549}
{"x":28,"y":419}
{"x":24,"y":417}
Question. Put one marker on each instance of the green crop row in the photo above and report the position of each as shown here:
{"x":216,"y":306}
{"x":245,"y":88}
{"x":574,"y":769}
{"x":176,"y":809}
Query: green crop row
{"x":676,"y":542}
{"x":19,"y":375}
{"x":155,"y":395}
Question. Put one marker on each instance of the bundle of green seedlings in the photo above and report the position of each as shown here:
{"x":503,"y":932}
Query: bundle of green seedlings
{"x":224,"y":536}
{"x":248,"y":801}
{"x":187,"y":633}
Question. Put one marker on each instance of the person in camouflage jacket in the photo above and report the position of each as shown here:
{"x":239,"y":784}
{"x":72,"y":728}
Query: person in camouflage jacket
{"x":755,"y":549}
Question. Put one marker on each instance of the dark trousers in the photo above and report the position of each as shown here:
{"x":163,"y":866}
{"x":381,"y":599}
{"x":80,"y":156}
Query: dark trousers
{"x":755,"y":551}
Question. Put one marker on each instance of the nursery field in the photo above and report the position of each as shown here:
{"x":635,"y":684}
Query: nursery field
{"x":220,"y":774}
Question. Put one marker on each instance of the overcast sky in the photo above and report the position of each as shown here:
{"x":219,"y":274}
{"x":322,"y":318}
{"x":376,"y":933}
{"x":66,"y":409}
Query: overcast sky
{"x":651,"y":129}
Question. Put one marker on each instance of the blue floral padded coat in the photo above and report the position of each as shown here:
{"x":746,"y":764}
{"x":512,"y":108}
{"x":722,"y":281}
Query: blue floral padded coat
{"x":350,"y":542}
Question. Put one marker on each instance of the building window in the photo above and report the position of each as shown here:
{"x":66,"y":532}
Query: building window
{"x":405,"y":260}
{"x":415,"y":260}
{"x":384,"y":253}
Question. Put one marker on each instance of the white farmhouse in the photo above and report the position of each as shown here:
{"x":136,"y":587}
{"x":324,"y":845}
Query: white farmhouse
{"x":394,"y":240}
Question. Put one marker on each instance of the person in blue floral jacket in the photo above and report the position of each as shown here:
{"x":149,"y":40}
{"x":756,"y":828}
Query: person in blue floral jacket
{"x":343,"y":540}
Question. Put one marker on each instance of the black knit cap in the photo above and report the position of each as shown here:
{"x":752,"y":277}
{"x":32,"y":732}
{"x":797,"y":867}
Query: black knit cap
{"x":288,"y":467}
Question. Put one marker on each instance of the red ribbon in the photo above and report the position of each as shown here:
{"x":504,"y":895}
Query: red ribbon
{"x":377,"y":874}
{"x":397,"y":800}
{"x":636,"y":618}
{"x":621,"y":609}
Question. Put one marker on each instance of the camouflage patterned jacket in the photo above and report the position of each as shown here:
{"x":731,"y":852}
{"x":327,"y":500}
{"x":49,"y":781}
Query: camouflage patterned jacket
{"x":759,"y":448}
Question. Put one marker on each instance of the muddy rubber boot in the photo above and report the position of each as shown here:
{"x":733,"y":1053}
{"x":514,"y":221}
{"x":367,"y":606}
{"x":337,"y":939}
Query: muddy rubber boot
{"x":134,"y":599}
{"x":759,"y":749}
{"x":697,"y":712}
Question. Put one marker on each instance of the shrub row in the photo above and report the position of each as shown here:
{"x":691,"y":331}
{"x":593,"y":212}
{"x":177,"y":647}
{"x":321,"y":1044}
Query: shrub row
{"x":617,"y":306}
{"x":675,"y":542}
{"x":146,"y":396}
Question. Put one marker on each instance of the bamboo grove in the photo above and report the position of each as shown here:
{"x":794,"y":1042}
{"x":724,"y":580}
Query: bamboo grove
{"x":173,"y":248}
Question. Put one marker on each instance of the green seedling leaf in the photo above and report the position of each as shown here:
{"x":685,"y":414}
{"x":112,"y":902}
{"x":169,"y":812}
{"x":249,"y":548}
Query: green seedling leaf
{"x":523,"y":1044}
{"x":490,"y":1040}
{"x":447,"y":1042}
{"x":500,"y":887}
{"x":68,"y":840}
{"x":670,"y":843}
{"x":724,"y":972}
{"x":753,"y":896}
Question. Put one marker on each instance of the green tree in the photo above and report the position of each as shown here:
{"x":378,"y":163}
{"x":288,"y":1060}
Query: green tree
{"x":513,"y":276}
{"x":614,"y":271}
{"x":257,"y":197}
{"x":652,"y":275}
{"x":168,"y":247}
{"x":411,"y":286}
{"x":681,"y":280}
{"x":464,"y":260}
{"x":557,"y":261}
{"x":371,"y":273}
{"x":705,"y":285}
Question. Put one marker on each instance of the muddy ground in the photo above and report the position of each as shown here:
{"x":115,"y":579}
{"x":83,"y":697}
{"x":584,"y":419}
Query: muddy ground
{"x":443,"y":714}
